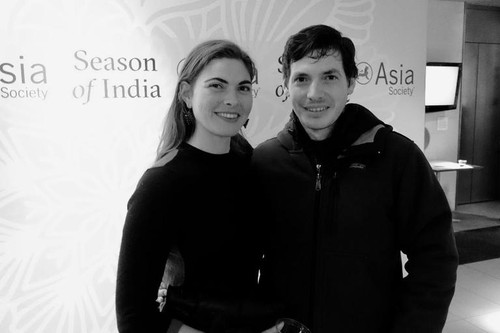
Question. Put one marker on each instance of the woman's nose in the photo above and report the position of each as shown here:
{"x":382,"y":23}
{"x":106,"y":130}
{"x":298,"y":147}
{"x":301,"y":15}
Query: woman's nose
{"x":231,"y":98}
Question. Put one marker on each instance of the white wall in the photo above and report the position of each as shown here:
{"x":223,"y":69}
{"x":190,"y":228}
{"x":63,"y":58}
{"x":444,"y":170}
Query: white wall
{"x":445,"y":31}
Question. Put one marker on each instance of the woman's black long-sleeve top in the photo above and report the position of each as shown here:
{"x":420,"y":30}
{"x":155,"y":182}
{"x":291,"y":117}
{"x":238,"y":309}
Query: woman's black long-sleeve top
{"x":196,"y":202}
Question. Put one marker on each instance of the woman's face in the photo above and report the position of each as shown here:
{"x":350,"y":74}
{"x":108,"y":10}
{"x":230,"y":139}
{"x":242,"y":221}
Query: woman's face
{"x":221,"y":98}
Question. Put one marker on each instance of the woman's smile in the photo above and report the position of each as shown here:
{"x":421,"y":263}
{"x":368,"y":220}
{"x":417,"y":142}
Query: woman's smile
{"x":228,"y":115}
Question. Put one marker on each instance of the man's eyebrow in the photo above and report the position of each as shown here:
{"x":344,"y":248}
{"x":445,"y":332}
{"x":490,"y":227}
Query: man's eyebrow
{"x":332,"y":71}
{"x":327,"y":72}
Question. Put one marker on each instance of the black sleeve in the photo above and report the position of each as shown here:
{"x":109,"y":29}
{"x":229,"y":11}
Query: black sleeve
{"x":426,"y":237}
{"x":146,"y":243}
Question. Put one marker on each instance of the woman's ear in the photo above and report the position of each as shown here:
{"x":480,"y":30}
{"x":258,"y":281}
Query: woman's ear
{"x":186,"y":93}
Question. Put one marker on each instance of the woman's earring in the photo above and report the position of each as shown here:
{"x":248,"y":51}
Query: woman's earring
{"x":246,"y":123}
{"x":188,"y":116}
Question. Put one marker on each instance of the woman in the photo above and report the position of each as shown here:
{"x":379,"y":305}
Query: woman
{"x":192,"y":205}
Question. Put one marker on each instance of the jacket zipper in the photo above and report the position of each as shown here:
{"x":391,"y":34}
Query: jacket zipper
{"x":318,"y":177}
{"x":315,"y":247}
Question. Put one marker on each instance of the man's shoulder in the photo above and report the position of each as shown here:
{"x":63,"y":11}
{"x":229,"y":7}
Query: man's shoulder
{"x":402,"y":148}
{"x":268,"y":152}
{"x":399,"y":139}
{"x":269,"y":144}
{"x":284,"y":139}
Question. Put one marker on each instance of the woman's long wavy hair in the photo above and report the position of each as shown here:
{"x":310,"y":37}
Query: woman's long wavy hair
{"x":175,"y":129}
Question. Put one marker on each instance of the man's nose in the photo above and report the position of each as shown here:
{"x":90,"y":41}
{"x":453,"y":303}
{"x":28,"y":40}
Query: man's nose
{"x":315,"y":90}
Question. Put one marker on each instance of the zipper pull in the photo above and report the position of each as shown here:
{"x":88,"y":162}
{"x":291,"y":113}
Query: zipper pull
{"x":318,"y":177}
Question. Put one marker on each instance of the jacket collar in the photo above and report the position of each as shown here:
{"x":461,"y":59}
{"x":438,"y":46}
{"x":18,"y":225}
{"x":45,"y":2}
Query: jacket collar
{"x":356,"y":126}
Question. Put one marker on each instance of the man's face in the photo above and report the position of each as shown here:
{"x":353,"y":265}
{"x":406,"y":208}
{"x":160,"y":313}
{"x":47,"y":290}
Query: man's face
{"x":318,"y":90}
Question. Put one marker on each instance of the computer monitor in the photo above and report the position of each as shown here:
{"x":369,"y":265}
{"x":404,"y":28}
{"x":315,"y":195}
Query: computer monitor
{"x":442,"y":81}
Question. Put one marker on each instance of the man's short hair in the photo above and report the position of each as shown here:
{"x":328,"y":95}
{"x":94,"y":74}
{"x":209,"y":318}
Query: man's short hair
{"x":318,"y":41}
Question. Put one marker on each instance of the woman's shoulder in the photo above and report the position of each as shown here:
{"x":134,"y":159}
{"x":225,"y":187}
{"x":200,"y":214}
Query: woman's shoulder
{"x":156,"y":182}
{"x":160,"y":173}
{"x":168,"y":157}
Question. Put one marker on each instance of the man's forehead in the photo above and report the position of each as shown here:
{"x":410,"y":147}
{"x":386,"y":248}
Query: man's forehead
{"x":330,"y":62}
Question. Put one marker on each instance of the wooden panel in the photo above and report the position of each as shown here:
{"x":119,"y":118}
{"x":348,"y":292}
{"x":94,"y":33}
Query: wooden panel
{"x":487,"y":133}
{"x":482,"y":26}
{"x":467,"y":123}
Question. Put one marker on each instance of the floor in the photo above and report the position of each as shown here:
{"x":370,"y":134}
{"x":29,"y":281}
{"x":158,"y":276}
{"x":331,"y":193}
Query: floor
{"x":475,"y":308}
{"x":476,"y":216}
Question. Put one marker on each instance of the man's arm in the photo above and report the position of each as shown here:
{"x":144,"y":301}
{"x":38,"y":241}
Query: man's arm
{"x":426,"y":237}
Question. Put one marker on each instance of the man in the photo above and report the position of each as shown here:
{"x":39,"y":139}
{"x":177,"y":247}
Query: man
{"x":345,"y":194}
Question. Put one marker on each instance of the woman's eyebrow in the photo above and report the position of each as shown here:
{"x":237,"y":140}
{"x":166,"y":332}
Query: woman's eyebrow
{"x":216,"y":79}
{"x":226,"y":82}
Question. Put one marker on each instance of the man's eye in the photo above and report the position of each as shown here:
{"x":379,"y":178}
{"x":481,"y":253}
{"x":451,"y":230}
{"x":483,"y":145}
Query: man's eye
{"x":331,"y":77}
{"x":245,"y":88}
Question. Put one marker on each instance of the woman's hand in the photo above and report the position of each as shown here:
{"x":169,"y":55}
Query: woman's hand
{"x":162,"y":294}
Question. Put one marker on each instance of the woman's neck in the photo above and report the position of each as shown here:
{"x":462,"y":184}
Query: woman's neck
{"x":210,"y":143}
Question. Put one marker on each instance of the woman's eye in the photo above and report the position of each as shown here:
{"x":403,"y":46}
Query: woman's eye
{"x":300,"y":79}
{"x":216,"y":85}
{"x":245,"y":88}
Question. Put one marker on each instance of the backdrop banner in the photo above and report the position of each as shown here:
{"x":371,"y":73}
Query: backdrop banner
{"x":84,"y":88}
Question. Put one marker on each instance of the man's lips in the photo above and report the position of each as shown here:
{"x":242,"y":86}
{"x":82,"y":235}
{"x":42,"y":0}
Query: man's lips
{"x":316,"y":108}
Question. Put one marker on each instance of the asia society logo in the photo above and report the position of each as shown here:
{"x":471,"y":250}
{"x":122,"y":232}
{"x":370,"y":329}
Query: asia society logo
{"x":398,"y":80}
{"x":23,"y":79}
{"x":365,"y":73}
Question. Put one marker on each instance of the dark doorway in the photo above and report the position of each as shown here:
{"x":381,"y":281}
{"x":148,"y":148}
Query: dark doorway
{"x":480,"y":122}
